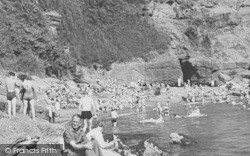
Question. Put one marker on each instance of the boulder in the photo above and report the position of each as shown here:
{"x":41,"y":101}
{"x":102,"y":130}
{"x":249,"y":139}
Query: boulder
{"x":244,"y":74}
{"x":181,"y":139}
{"x":148,"y":147}
{"x":224,"y":77}
{"x":72,"y":85}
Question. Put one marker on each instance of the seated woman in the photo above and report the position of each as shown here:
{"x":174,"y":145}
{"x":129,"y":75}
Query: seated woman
{"x":105,"y":148}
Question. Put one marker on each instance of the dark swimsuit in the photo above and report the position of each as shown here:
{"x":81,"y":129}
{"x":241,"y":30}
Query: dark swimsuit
{"x":11,"y":95}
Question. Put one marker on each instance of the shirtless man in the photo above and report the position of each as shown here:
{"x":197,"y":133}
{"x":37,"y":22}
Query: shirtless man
{"x":11,"y":94}
{"x":87,"y":105}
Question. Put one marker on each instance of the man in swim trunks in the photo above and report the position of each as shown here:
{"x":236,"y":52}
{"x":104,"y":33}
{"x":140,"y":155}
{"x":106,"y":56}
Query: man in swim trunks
{"x":114,"y":116}
{"x":87,"y":105}
{"x":11,"y":94}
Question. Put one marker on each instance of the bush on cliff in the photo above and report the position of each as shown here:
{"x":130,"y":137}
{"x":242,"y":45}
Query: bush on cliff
{"x":105,"y":31}
{"x":25,"y":44}
{"x":96,"y":31}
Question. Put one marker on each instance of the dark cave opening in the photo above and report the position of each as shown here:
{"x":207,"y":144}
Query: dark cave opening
{"x":188,"y":70}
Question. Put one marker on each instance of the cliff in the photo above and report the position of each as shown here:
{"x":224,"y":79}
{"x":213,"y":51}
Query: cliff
{"x":201,"y":40}
{"x":209,"y":38}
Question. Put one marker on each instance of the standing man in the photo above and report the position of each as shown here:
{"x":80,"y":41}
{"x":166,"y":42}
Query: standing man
{"x":86,"y":106}
{"x":76,"y":143}
{"x":11,"y":94}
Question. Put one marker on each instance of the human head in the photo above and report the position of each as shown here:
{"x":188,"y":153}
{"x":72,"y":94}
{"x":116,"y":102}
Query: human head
{"x":98,"y":124}
{"x":76,"y":121}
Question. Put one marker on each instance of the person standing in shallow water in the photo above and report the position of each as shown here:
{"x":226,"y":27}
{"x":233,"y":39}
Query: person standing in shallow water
{"x":114,"y":117}
{"x":11,"y":94}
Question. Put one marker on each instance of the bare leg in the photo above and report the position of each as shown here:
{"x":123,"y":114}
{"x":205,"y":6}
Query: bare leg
{"x":90,"y":123}
{"x":25,"y":106}
{"x":13,"y":102}
{"x":50,"y":113}
{"x":9,"y":108}
{"x":85,"y":126}
{"x":32,"y":106}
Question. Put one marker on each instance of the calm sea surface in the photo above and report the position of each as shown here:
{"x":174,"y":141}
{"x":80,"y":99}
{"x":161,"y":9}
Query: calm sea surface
{"x":225,"y":131}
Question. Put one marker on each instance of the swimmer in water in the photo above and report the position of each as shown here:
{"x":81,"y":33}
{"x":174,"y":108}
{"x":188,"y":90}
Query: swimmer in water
{"x":159,"y":109}
{"x":166,"y":108}
{"x":177,"y":116}
{"x":233,"y":102}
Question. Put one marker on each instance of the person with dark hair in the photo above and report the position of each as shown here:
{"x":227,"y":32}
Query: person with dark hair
{"x":29,"y":96}
{"x":114,"y":117}
{"x":86,"y":106}
{"x":51,"y":109}
{"x":75,"y":141}
{"x":11,"y":84}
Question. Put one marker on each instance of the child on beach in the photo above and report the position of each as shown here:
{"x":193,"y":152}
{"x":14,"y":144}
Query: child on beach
{"x":159,"y":109}
{"x":51,"y":109}
{"x":114,"y":117}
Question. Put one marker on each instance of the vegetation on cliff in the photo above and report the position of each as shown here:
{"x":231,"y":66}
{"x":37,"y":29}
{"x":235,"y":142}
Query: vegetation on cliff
{"x":95,"y":31}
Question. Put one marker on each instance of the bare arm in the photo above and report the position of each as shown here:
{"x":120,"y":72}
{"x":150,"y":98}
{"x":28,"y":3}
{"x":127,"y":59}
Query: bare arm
{"x":34,"y":92}
{"x":80,"y":105}
{"x":88,"y":145}
{"x":102,"y":144}
{"x":93,"y":107}
{"x":69,"y":139}
{"x":6,"y":86}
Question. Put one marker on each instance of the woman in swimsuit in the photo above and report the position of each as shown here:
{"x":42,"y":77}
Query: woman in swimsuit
{"x":29,"y":96}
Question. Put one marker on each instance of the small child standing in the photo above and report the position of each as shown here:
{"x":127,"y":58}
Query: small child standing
{"x":51,"y":109}
{"x":114,"y":117}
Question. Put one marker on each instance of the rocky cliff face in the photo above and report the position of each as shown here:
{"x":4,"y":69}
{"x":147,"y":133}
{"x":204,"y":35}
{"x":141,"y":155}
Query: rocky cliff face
{"x":163,"y":69}
{"x":202,"y":40}
{"x":209,"y":37}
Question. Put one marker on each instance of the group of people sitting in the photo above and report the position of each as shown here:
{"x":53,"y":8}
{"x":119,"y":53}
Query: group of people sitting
{"x":77,"y":142}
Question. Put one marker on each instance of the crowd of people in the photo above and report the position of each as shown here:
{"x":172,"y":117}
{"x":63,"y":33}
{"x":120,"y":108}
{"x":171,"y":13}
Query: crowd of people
{"x":133,"y":96}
